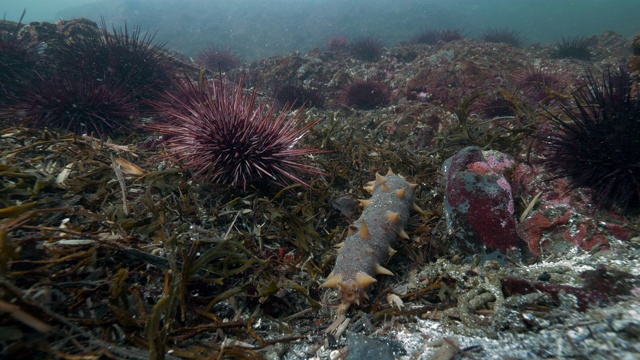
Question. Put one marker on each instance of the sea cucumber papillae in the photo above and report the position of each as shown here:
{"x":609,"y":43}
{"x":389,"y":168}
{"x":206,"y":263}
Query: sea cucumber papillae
{"x":371,"y":238}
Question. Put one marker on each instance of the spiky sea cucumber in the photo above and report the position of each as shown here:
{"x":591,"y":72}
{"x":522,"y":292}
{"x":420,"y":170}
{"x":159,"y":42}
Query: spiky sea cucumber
{"x":371,"y":238}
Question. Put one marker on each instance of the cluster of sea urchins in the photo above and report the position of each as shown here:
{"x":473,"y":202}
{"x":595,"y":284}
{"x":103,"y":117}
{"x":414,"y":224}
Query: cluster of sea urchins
{"x":222,"y":135}
{"x":95,"y":83}
{"x":596,"y":142}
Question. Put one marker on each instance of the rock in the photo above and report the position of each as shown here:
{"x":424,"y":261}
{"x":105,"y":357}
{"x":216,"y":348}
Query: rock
{"x":363,"y":347}
{"x":479,"y":206}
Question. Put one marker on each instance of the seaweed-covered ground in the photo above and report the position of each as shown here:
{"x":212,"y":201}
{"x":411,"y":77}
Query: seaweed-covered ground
{"x":110,"y":250}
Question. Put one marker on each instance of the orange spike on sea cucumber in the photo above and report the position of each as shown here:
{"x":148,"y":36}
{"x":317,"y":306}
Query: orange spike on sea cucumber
{"x":352,"y":229}
{"x":364,"y":280}
{"x":391,"y":251}
{"x":333,"y":281}
{"x":417,"y":208}
{"x":401,"y":193}
{"x":413,"y":186}
{"x":364,"y":230}
{"x":381,"y":270}
{"x":390,"y":172}
{"x":364,"y":202}
{"x":403,"y":235}
{"x":380,"y":179}
{"x":385,"y":187}
{"x":393,"y":217}
{"x":369,"y":189}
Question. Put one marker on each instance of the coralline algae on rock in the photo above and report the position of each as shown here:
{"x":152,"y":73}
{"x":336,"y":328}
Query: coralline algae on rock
{"x":479,"y":206}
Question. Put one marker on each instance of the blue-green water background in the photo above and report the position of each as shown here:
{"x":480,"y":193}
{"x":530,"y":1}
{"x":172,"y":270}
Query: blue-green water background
{"x":259,"y":28}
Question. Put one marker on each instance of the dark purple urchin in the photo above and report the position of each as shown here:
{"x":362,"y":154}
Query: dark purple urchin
{"x":450,"y":35}
{"x":223,"y":136}
{"x":538,"y":85}
{"x":366,"y":49}
{"x":496,"y":106}
{"x":80,"y":104}
{"x":579,"y":48}
{"x":427,"y":37}
{"x":599,"y":147}
{"x":18,"y":59}
{"x":297,"y":96}
{"x":218,"y":59}
{"x":128,"y":57}
{"x":365,"y":94}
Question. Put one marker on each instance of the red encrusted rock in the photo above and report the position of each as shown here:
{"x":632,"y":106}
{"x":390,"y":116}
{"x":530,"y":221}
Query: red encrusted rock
{"x":563,"y":218}
{"x":479,"y":206}
{"x":601,"y":286}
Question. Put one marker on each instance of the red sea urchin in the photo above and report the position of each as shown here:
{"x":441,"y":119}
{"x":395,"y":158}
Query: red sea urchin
{"x":599,"y":148}
{"x":223,"y":136}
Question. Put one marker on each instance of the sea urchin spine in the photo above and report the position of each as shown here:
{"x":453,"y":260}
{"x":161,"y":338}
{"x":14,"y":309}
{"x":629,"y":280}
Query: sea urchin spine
{"x":600,"y":147}
{"x":222,"y":135}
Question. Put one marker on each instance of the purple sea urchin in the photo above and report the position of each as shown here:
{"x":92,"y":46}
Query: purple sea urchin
{"x":599,"y":147}
{"x":366,"y":49}
{"x":496,"y":106}
{"x":450,"y":35}
{"x":18,"y":59}
{"x":296,"y":96}
{"x":129,"y":57}
{"x":365,"y":94}
{"x":80,"y":104}
{"x":578,"y":48}
{"x":218,"y":59}
{"x":538,"y":85}
{"x":221,"y":135}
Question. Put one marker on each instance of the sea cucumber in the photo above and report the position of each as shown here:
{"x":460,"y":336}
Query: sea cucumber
{"x":371,"y":238}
